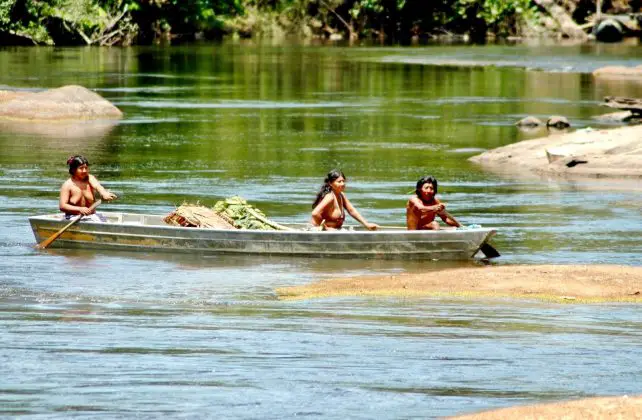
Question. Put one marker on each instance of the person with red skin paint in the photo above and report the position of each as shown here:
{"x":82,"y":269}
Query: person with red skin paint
{"x":422,"y":208}
{"x":77,"y":194}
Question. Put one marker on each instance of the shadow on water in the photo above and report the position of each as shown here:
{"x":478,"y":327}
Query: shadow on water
{"x":311,"y":266}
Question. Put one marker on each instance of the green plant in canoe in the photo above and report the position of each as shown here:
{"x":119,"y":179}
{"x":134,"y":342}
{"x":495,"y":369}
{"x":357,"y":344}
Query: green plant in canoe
{"x":243,"y":215}
{"x":230,"y":213}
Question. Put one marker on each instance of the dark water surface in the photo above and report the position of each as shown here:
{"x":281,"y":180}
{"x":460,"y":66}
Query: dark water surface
{"x":112,"y":335}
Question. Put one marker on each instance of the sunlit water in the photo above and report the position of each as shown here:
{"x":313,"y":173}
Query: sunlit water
{"x":109,"y":334}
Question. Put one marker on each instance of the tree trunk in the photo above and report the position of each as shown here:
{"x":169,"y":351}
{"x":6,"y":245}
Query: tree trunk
{"x":565,"y":22}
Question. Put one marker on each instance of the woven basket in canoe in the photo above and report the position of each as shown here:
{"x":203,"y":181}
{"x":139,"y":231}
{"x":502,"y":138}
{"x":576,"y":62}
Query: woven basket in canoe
{"x":190,"y":215}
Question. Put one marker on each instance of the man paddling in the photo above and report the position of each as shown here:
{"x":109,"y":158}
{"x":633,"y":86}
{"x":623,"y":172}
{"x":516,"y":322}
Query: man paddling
{"x":424,"y":206}
{"x":77,"y":194}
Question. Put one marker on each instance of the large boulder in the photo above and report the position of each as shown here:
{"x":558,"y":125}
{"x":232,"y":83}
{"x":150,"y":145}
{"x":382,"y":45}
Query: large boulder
{"x":594,"y":153}
{"x":65,"y":103}
{"x":9,"y":95}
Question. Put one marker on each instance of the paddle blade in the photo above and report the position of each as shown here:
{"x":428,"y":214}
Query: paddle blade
{"x":489,"y":251}
{"x":44,"y":244}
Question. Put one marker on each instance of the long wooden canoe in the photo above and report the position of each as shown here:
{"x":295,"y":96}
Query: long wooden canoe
{"x":141,"y":232}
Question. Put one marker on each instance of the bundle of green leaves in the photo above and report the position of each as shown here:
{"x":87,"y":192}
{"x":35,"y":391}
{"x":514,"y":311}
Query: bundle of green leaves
{"x":242,"y":214}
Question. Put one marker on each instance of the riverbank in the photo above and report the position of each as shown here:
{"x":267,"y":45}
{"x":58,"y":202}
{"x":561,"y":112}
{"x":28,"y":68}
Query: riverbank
{"x":556,"y":283}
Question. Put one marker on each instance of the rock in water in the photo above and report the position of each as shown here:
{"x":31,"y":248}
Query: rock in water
{"x":65,"y":103}
{"x":558,"y":122}
{"x":614,"y":153}
{"x":529,"y":122}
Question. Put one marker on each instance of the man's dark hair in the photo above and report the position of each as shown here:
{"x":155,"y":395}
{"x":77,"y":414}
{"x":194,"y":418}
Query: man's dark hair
{"x":76,"y":161}
{"x":426,"y":180}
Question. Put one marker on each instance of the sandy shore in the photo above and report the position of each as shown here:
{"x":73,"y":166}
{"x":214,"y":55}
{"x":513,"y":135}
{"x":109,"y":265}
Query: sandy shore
{"x":590,"y":408}
{"x":559,"y":283}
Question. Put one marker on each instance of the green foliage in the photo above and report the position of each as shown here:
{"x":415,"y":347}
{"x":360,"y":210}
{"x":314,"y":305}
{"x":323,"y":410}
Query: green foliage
{"x":171,"y":18}
{"x":242,"y":214}
{"x":106,"y":22}
{"x":5,"y":13}
{"x":24,"y":18}
{"x":499,"y":15}
{"x":36,"y":32}
{"x":66,"y":21}
{"x":365,"y":6}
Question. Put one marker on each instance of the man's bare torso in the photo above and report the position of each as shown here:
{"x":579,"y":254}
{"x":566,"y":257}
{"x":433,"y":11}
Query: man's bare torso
{"x":416,"y":219}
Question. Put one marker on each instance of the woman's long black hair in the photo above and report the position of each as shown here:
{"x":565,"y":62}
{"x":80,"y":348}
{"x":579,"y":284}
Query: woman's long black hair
{"x":332,"y":176}
{"x":76,"y":161}
{"x":426,"y":180}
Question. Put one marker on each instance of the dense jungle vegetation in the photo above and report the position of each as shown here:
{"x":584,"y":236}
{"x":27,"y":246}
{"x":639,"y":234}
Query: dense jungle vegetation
{"x":127,"y":22}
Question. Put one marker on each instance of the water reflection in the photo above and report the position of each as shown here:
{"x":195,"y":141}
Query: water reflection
{"x":73,"y":133}
{"x":136,"y":334}
{"x":306,"y":266}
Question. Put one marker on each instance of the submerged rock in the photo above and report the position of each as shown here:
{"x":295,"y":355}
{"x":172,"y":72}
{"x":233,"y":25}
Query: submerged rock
{"x":70,"y":130}
{"x":61,"y":104}
{"x":529,"y":122}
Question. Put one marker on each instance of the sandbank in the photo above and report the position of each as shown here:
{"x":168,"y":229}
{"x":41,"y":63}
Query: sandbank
{"x":556,"y":283}
{"x":623,"y":407}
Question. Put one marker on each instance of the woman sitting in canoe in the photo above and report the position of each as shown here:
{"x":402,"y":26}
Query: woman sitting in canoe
{"x":424,"y":206}
{"x":331,"y":203}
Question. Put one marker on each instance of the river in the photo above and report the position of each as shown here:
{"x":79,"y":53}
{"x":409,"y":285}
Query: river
{"x":113,"y":335}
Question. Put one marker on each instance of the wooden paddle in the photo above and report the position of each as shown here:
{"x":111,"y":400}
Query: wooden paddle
{"x":44,"y":244}
{"x":488,"y":250}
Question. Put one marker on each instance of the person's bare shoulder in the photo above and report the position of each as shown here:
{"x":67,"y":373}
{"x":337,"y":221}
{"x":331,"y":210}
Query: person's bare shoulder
{"x":324,"y":201}
{"x":67,"y":184}
{"x":413,"y":201}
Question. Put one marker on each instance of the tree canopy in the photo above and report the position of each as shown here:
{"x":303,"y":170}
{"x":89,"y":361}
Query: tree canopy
{"x":125,"y":22}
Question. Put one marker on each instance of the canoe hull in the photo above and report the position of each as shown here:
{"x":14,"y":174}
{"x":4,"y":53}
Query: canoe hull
{"x":137,"y":232}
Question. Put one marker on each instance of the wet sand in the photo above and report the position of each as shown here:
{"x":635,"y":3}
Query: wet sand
{"x":558,"y":283}
{"x":623,"y":407}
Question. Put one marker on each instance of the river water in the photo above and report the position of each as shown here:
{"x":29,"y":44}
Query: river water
{"x":113,"y":335}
